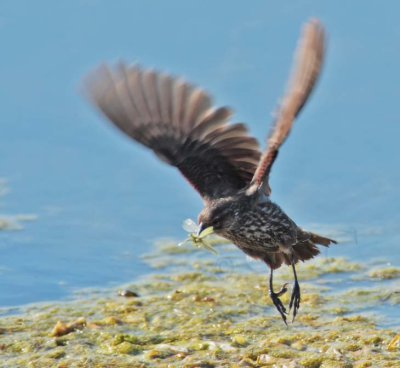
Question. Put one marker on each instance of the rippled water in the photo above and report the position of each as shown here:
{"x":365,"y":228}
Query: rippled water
{"x":101,"y":202}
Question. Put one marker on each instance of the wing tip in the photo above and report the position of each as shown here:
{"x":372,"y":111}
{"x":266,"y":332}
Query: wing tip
{"x":314,"y":32}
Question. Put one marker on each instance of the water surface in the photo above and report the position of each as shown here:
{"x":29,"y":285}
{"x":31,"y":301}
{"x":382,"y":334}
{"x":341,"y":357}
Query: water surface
{"x":101,"y":201}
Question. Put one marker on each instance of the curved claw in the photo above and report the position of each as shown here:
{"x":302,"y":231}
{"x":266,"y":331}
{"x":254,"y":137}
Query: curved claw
{"x":278,"y":304}
{"x":295,"y":300}
{"x":283,"y":289}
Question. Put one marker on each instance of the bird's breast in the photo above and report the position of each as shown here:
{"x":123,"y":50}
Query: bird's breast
{"x":261,"y":228}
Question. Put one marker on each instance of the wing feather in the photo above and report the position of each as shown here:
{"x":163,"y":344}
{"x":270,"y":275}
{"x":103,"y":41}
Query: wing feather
{"x":212,"y":120}
{"x":307,"y":67}
{"x":151,"y":94}
{"x":165,"y":97}
{"x":177,"y":121}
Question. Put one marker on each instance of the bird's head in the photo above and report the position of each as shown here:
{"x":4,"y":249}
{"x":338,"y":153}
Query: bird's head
{"x":218,"y":215}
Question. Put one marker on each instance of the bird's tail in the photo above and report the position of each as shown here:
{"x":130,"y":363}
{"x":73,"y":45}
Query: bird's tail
{"x":307,"y":248}
{"x":318,"y":239}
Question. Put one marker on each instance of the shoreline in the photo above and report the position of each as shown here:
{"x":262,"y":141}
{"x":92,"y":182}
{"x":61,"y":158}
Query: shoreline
{"x":206,"y":311}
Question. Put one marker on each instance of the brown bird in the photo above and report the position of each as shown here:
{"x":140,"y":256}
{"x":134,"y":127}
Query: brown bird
{"x":221,"y":161}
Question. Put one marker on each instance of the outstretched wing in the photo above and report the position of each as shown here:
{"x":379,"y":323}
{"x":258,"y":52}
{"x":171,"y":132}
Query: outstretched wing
{"x":307,"y":67}
{"x":177,"y":121}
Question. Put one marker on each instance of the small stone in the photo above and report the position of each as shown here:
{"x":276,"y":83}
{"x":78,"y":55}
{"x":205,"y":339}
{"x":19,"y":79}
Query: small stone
{"x":61,"y":329}
{"x":128,"y":293}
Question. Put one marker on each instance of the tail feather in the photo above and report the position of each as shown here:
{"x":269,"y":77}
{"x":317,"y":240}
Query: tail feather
{"x":306,"y":248}
{"x":304,"y":251}
{"x":318,"y":239}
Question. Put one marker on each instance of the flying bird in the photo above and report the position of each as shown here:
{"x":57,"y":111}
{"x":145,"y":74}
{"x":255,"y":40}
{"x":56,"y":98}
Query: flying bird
{"x":221,"y":161}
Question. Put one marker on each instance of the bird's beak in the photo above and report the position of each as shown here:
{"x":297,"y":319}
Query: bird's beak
{"x":204,"y":228}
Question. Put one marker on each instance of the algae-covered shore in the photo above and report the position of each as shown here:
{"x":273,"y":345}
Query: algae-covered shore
{"x":212,"y":311}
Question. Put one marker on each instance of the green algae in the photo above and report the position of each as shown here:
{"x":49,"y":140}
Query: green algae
{"x":385,"y":273}
{"x":206,"y":313}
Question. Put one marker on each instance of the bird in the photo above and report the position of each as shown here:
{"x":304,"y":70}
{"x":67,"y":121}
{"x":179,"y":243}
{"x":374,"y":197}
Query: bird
{"x":178,"y":122}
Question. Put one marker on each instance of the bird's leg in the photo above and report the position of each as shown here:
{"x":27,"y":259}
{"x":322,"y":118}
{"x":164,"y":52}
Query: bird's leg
{"x":295,"y":297}
{"x":275,"y":297}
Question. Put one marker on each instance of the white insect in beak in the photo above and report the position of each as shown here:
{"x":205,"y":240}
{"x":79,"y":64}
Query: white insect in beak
{"x":197,"y":235}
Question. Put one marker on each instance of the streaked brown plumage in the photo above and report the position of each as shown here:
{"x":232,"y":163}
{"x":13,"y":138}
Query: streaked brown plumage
{"x":222,"y":162}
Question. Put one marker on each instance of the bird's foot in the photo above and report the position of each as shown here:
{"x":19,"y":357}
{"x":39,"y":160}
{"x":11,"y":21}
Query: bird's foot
{"x":295,"y":300}
{"x":278,"y":303}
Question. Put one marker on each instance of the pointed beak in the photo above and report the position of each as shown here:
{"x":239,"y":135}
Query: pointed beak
{"x":202,"y":227}
{"x":205,"y":228}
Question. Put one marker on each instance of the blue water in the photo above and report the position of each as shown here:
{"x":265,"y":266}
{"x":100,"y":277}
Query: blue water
{"x":102,"y":201}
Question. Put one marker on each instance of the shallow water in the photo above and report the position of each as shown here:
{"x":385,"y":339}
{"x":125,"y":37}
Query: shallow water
{"x":214,"y":314}
{"x":101,"y":202}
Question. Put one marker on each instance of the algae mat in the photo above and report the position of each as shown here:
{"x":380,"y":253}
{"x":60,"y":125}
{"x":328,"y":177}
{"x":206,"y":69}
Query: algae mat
{"x":213,"y":311}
